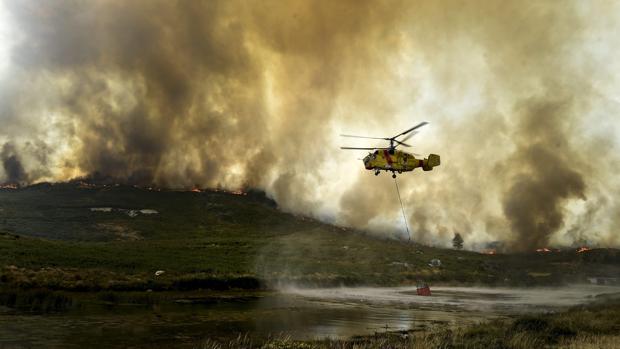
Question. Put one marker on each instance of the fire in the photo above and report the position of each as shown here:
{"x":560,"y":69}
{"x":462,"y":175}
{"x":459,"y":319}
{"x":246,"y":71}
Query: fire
{"x":583,"y":249}
{"x":83,"y":185}
{"x":544,"y":249}
{"x":9,"y":186}
{"x":489,"y":251}
{"x":234,"y":192}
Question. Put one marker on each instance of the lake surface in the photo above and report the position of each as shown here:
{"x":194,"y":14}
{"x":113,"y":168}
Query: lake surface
{"x":300,"y":313}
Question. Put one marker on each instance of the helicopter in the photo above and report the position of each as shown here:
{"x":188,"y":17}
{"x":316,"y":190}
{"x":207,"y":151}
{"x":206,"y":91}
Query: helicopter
{"x":390,"y":159}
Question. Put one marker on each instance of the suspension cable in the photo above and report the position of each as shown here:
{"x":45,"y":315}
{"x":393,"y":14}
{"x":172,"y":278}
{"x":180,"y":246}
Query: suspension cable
{"x":402,"y":209}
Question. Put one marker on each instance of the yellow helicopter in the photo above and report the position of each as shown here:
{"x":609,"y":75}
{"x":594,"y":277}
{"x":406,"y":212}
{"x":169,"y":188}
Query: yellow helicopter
{"x":390,"y":159}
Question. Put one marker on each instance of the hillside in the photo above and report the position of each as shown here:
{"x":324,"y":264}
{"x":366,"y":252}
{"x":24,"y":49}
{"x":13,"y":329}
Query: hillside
{"x":79,"y":236}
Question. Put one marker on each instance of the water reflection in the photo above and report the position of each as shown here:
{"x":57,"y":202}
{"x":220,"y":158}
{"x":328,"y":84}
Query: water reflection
{"x":302,"y":314}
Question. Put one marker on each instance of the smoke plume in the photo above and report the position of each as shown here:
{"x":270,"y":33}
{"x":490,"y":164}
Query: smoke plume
{"x":234,"y":94}
{"x":13,"y":169}
{"x":546,"y":176}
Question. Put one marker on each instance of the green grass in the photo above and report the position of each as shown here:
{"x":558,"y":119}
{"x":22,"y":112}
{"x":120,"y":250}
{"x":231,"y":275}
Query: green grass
{"x":217,"y":240}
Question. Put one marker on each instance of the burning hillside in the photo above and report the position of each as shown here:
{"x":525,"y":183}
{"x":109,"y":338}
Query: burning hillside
{"x":231,"y":94}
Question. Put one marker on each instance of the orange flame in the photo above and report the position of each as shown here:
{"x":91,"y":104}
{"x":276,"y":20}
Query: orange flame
{"x":86,"y":185}
{"x":489,"y":251}
{"x":544,"y":249}
{"x":583,"y":249}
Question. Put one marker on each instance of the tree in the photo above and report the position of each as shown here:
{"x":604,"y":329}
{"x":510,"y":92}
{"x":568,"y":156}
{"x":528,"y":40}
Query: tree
{"x":457,"y":242}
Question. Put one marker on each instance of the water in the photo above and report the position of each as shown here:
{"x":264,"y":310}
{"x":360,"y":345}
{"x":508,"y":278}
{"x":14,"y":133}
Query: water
{"x":300,"y":313}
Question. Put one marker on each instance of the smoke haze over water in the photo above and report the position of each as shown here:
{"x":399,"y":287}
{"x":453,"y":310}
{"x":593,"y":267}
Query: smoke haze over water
{"x":522,"y":100}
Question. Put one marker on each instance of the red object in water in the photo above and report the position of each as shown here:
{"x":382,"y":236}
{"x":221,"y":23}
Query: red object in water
{"x":423,"y":290}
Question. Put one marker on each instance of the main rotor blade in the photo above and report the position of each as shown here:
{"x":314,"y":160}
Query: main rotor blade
{"x":411,"y":129}
{"x":409,"y":136}
{"x":352,"y":136}
{"x":402,"y":143}
{"x":363,"y":148}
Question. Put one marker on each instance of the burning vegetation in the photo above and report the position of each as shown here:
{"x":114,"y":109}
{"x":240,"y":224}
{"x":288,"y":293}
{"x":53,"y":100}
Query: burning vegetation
{"x":230,"y":94}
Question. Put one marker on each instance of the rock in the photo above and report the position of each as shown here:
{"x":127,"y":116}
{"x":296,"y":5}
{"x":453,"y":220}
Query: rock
{"x":434,"y":263}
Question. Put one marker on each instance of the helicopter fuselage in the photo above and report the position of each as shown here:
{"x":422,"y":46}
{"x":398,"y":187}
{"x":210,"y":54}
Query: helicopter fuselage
{"x":398,"y":161}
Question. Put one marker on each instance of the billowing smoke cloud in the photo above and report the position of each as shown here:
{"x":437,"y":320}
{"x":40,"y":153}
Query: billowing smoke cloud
{"x":546,"y":174}
{"x":521,"y":157}
{"x":13,"y":169}
{"x":238,"y":94}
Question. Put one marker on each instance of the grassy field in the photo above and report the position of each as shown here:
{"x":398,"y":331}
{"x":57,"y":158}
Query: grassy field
{"x":50,"y":238}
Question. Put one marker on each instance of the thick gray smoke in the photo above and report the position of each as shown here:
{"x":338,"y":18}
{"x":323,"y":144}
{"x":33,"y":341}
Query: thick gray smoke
{"x":13,"y":169}
{"x":547,"y":173}
{"x":239,"y":94}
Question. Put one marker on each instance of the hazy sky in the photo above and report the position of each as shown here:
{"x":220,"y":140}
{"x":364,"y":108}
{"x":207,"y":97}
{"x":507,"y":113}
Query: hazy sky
{"x":6,"y":39}
{"x":521,"y":97}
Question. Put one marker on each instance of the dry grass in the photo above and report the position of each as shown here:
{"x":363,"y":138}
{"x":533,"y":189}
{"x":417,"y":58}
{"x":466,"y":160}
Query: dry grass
{"x":89,"y":280}
{"x":421,"y":341}
{"x":592,"y":342}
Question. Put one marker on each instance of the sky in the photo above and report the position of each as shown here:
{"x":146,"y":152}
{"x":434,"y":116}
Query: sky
{"x":6,"y":39}
{"x":521,"y":99}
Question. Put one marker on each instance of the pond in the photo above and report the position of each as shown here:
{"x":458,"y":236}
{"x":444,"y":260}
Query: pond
{"x":298,"y":313}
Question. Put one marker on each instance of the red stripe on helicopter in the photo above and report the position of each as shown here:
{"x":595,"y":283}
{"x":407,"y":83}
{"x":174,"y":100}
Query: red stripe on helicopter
{"x":386,"y":154}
